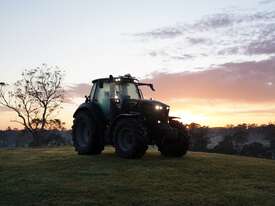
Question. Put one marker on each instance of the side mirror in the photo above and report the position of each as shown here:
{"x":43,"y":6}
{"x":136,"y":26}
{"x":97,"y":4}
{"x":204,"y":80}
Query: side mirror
{"x":152,"y":87}
{"x":87,"y":99}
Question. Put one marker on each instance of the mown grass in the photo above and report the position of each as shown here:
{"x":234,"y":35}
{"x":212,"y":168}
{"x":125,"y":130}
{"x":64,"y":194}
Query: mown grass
{"x":58,"y":176}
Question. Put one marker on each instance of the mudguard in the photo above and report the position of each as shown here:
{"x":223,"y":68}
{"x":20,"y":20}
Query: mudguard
{"x":94,"y":110}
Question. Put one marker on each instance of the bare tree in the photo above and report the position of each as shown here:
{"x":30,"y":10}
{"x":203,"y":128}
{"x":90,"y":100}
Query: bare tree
{"x":35,"y":97}
{"x":56,"y":124}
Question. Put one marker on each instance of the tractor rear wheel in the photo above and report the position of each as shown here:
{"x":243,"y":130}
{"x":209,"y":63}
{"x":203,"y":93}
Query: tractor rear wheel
{"x":175,"y":141}
{"x":130,"y":138}
{"x":85,"y":136}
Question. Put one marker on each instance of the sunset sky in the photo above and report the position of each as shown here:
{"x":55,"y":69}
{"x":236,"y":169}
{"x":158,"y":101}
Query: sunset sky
{"x":212,"y":61}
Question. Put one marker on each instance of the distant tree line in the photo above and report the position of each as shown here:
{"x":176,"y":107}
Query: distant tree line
{"x":235,"y":139}
{"x":54,"y":135}
{"x":244,"y":139}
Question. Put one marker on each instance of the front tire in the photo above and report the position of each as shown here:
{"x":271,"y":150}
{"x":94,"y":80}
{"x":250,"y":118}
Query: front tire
{"x":130,"y":138}
{"x":85,"y":135}
{"x":175,"y":141}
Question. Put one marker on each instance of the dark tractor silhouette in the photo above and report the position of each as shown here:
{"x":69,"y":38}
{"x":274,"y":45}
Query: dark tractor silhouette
{"x":115,"y":113}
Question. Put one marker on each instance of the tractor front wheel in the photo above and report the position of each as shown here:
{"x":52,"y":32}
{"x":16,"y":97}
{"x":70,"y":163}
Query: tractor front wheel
{"x":175,"y":140}
{"x":130,"y":138}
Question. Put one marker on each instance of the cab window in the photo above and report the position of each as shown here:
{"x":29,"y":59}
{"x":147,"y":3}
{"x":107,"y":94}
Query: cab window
{"x":127,"y":91}
{"x":102,"y":97}
{"x":92,"y":93}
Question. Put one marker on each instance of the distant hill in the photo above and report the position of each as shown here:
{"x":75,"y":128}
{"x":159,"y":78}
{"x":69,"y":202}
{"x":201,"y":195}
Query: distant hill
{"x":58,"y":176}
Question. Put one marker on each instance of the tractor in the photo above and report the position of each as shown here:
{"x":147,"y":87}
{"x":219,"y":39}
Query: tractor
{"x":115,"y":113}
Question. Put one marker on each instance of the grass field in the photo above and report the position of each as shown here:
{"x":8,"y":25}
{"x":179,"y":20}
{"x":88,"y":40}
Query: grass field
{"x":58,"y":176}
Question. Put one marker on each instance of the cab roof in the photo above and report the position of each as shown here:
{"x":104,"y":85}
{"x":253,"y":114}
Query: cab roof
{"x":125,"y":78}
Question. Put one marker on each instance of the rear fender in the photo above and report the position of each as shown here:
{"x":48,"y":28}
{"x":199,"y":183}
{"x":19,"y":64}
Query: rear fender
{"x":93,"y":109}
{"x":95,"y":112}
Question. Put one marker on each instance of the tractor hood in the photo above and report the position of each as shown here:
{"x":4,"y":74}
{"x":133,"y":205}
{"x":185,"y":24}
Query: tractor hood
{"x":150,"y":109}
{"x":146,"y":104}
{"x":156,"y":104}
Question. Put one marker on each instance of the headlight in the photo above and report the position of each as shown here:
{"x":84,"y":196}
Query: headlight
{"x":158,"y":107}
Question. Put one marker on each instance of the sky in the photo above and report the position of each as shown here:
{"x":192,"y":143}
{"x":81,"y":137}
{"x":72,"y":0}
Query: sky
{"x":212,"y":61}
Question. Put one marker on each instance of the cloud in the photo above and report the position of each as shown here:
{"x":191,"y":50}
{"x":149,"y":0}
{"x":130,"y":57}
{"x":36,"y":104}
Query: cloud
{"x":209,"y":22}
{"x":262,"y":47}
{"x":222,"y":37}
{"x":193,"y":40}
{"x":76,"y":91}
{"x":267,"y":1}
{"x":239,"y":82}
{"x":182,"y":57}
{"x":164,"y":54}
{"x":216,"y":21}
{"x":163,"y":33}
{"x":262,"y":42}
{"x":154,"y":53}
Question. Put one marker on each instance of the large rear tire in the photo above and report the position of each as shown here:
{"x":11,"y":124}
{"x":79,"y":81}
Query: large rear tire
{"x":130,"y":138}
{"x":85,"y":135}
{"x":175,"y":141}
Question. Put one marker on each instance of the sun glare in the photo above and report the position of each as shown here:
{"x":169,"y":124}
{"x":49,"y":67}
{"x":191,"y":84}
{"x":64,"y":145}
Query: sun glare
{"x":189,"y":117}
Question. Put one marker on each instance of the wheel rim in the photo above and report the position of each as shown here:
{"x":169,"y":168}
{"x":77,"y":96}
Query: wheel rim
{"x":83,"y":133}
{"x":125,"y":139}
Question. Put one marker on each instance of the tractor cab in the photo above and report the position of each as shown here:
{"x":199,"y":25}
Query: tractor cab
{"x":112,"y":94}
